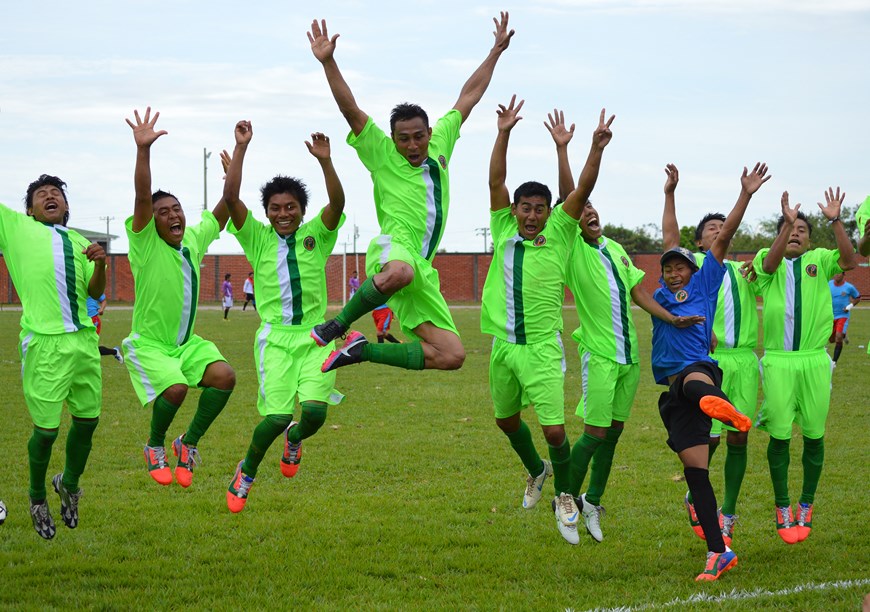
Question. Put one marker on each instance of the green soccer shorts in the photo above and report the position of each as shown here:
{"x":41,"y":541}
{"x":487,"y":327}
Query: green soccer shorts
{"x":155,"y":366}
{"x":419,"y":302}
{"x":797,"y":389}
{"x":740,"y":372}
{"x":57,"y":368}
{"x":288,"y":365}
{"x":608,"y":389}
{"x":528,"y":374}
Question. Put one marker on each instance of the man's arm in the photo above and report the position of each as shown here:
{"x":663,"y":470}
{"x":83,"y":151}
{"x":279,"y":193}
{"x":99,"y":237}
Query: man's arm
{"x":320,"y":149}
{"x":670,"y":227}
{"x":323,"y":48}
{"x":749,"y":184}
{"x":144,"y":135}
{"x":642,"y":298}
{"x":477,"y":83}
{"x":777,"y":249}
{"x":97,"y":285}
{"x":576,"y":200}
{"x":508,"y":117}
{"x":561,"y":137}
{"x":238,"y":212}
{"x":831,"y":211}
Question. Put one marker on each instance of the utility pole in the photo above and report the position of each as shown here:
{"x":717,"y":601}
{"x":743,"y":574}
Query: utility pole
{"x":205,"y":156}
{"x":344,"y":276}
{"x":484,"y":231}
{"x":107,"y":219}
{"x":355,"y":255}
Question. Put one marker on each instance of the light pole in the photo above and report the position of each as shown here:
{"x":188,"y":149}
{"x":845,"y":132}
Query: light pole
{"x":356,"y":257}
{"x":485,"y":232}
{"x":107,"y":219}
{"x":205,"y":156}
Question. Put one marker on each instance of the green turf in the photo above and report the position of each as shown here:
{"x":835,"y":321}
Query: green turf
{"x":409,"y":497}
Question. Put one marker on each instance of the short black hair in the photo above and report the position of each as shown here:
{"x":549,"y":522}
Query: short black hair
{"x":42,"y":181}
{"x":160,"y":194}
{"x":531,"y":189}
{"x":285,"y":184}
{"x":699,"y":230}
{"x":781,"y":221}
{"x":226,"y":276}
{"x":406,"y":111}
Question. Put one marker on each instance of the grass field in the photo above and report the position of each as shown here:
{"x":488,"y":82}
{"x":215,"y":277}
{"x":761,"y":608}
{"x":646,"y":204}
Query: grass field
{"x":409,"y":498}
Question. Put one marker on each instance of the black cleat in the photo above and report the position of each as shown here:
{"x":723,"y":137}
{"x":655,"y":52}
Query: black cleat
{"x":325,"y":333}
{"x":349,"y":354}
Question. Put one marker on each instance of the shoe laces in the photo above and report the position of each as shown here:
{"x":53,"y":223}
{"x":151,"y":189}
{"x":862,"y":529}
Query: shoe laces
{"x":531,"y":488}
{"x":193,"y":457}
{"x":245,"y":483}
{"x":566,"y":504}
{"x":728,"y":523}
{"x":40,"y":511}
{"x":786,"y":516}
{"x":804,"y":513}
{"x":158,"y":455}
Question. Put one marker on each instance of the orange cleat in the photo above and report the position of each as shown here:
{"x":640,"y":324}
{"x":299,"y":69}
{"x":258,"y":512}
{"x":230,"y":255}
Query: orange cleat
{"x":155,"y":460}
{"x":722,"y":410}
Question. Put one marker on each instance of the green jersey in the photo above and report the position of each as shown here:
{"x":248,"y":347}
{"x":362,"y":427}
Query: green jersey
{"x":167,"y":279}
{"x":862,"y":215}
{"x":525,"y":286}
{"x":290,"y":270}
{"x":411,"y":201}
{"x":797,"y":314}
{"x":601,"y":277}
{"x":736,"y":322}
{"x":50,"y":273}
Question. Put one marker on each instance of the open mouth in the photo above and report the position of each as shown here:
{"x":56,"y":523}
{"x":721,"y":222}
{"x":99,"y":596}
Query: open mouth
{"x":51,"y":207}
{"x":593,"y":224}
{"x":175,"y":228}
{"x":795,"y":242}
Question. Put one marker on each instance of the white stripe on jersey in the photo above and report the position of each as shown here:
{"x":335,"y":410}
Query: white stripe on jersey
{"x":261,"y":353}
{"x":132,"y":357}
{"x":284,"y":286}
{"x":25,"y":344}
{"x":385,"y":241}
{"x":584,"y":380}
{"x":615,"y":304}
{"x":187,"y":303}
{"x":508,"y":265}
{"x":788,"y":326}
{"x":728,"y":311}
{"x":60,"y":279}
{"x":431,"y":212}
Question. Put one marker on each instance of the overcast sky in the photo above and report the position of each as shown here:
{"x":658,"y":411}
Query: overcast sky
{"x":710,"y":85}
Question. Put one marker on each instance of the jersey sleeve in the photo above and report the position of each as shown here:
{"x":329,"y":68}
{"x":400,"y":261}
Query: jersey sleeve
{"x":206,"y":231}
{"x":446,"y":133}
{"x":634,"y":274}
{"x":862,"y":215}
{"x":829,"y":261}
{"x":372,"y":145}
{"x":141,"y":242}
{"x":853,"y":291}
{"x":501,"y":222}
{"x":245,"y":234}
{"x":762,"y":279}
{"x":712,"y":273}
{"x":326,"y":238}
{"x":8,"y":220}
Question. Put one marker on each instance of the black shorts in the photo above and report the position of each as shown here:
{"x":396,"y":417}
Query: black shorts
{"x":249,"y":297}
{"x":687,"y":425}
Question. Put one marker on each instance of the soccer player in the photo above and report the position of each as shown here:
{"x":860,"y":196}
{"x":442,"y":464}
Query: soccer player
{"x":289,"y":258}
{"x":54,"y":269}
{"x":736,"y":328}
{"x":409,"y":170}
{"x":844,"y":296}
{"x":796,"y":370}
{"x":522,"y":309}
{"x":248,"y":289}
{"x":96,"y":308}
{"x":227,"y":291}
{"x":681,"y":360}
{"x":353,"y":283}
{"x":163,"y":354}
{"x":383,"y":318}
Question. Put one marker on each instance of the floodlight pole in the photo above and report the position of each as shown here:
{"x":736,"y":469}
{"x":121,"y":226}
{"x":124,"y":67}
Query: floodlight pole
{"x":205,"y":156}
{"x":107,"y":219}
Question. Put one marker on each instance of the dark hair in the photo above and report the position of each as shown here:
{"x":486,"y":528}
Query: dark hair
{"x":285,"y":184}
{"x":405,"y":111}
{"x":160,"y":194}
{"x":226,"y":276}
{"x":707,"y":218}
{"x":533,"y":188}
{"x":42,"y":181}
{"x":781,"y":221}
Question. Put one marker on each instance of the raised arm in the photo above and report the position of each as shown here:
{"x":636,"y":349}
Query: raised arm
{"x":576,"y":200}
{"x":477,"y":83}
{"x":749,"y":184}
{"x":831,"y":211}
{"x":561,"y":137}
{"x":97,"y":285}
{"x":670,"y":227}
{"x":320,"y":149}
{"x":777,"y":249}
{"x":243,"y":132}
{"x":144,"y":136}
{"x":323,"y":48}
{"x":508,"y":117}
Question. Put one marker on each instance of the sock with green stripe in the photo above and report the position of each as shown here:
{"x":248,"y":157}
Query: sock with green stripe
{"x":735,"y":470}
{"x":78,"y":447}
{"x":162,"y":415}
{"x":581,"y":454}
{"x":521,"y":441}
{"x":602,"y":461}
{"x":813,"y":458}
{"x":266,"y":432}
{"x":366,"y":299}
{"x":39,"y":454}
{"x":778,"y":460}
{"x":211,"y":403}
{"x":408,"y":356}
{"x":560,"y":457}
{"x":313,"y":417}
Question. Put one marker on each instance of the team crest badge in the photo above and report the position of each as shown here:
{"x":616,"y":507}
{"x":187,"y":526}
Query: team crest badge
{"x":625,"y":261}
{"x":443,"y":161}
{"x":309,"y":243}
{"x":812,"y":270}
{"x":540,"y":240}
{"x":681,"y":295}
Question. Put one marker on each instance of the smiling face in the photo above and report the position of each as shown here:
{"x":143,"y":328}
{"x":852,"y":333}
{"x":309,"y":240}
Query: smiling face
{"x":284,"y":213}
{"x":590,"y":225}
{"x":798,"y":239}
{"x":49,"y":205}
{"x":532,"y":213}
{"x":412,"y":137}
{"x":677,"y":273}
{"x":169,"y":220}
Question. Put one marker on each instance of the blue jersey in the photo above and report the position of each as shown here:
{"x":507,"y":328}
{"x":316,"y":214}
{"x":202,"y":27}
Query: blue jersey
{"x":674,"y":349}
{"x":841,"y":297}
{"x":94,"y":305}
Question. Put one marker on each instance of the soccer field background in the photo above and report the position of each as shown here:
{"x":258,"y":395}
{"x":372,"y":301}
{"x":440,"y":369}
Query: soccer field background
{"x":410,"y":497}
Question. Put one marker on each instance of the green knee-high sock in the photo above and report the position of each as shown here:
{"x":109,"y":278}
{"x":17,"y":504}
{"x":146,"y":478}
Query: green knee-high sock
{"x":162,"y":415}
{"x":408,"y":356}
{"x":813,"y":458}
{"x":560,"y":457}
{"x":366,"y":299}
{"x":313,"y":417}
{"x":265,"y":433}
{"x":39,"y":453}
{"x":602,"y":461}
{"x":78,"y":447}
{"x":735,"y":470}
{"x":778,"y":460}
{"x":711,"y":450}
{"x":521,"y":441}
{"x":581,"y":455}
{"x":211,"y":402}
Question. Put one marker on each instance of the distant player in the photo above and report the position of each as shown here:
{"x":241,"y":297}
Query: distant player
{"x":227,"y":292}
{"x":796,"y":370}
{"x":409,"y":169}
{"x":383,"y":318}
{"x":248,"y":290}
{"x":96,"y":307}
{"x":844,"y":296}
{"x":163,"y":355}
{"x":353,"y":283}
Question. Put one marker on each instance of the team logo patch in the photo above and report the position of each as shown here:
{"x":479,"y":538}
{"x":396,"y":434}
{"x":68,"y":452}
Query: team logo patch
{"x":812,"y":270}
{"x":540,"y":240}
{"x":309,"y":243}
{"x":625,"y":261}
{"x":681,"y":295}
{"x":443,"y":161}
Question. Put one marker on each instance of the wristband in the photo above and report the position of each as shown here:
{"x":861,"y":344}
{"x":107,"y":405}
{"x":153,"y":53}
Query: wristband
{"x":834,"y":220}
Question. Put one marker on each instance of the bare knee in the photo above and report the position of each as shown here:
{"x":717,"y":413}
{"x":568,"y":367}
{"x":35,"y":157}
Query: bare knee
{"x":175,"y":394}
{"x":396,"y":275}
{"x":220,"y":375}
{"x":510,"y":424}
{"x":554,"y":435}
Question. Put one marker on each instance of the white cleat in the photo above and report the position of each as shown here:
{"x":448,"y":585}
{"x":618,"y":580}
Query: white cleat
{"x":569,"y":532}
{"x":534,"y":484}
{"x":592,"y":517}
